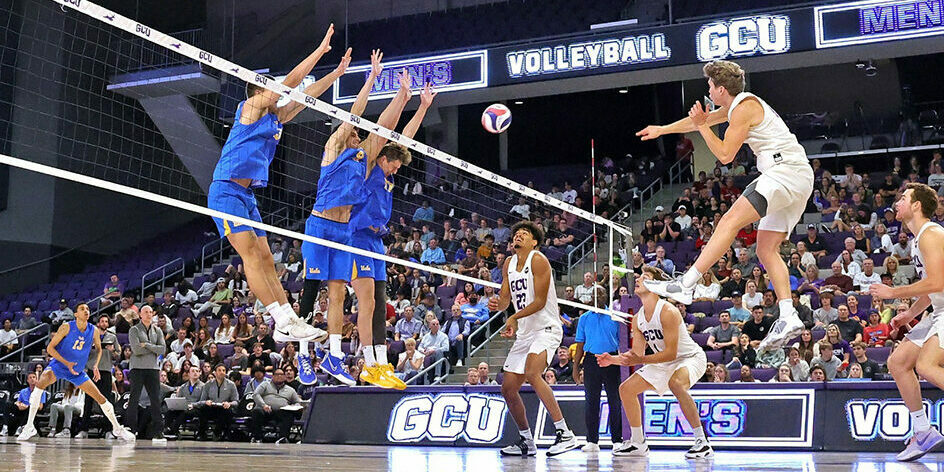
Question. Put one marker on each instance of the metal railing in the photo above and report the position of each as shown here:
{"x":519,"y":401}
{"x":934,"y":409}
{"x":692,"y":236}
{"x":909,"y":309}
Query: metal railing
{"x":422,"y":374}
{"x":487,"y":327}
{"x":211,"y":251}
{"x":166,"y":271}
{"x":25,"y":335}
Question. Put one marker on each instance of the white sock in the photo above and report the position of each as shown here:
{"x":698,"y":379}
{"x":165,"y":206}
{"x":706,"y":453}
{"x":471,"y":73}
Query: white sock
{"x":638,"y":437}
{"x":303,"y":348}
{"x":334,"y":343}
{"x":786,"y":306}
{"x":526,"y":433}
{"x":561,"y":425}
{"x":288,"y":311}
{"x":919,"y":420}
{"x":109,"y":411}
{"x":699,"y":433}
{"x":381,"y":350}
{"x":35,"y":399}
{"x":369,"y":359}
{"x":275,"y":311}
{"x":691,"y":277}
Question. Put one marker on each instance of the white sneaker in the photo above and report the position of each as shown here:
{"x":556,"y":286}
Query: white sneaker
{"x":920,"y":444}
{"x":295,"y":329}
{"x":25,"y":433}
{"x":109,"y":435}
{"x":3,"y":431}
{"x":671,"y":289}
{"x":590,"y":447}
{"x":81,"y":435}
{"x":458,"y":363}
{"x":65,"y":433}
{"x":159,"y":441}
{"x":565,"y":441}
{"x":787,"y":327}
{"x":700,"y":450}
{"x":127,"y":436}
{"x":524,"y":447}
{"x":631,"y":449}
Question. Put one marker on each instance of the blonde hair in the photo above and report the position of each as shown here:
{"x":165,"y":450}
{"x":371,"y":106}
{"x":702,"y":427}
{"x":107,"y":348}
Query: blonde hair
{"x":725,"y":74}
{"x":397,"y":152}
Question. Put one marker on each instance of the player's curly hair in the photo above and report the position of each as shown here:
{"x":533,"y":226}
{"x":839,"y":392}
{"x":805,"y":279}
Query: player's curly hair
{"x":656,"y":273}
{"x":536,"y":231}
{"x":397,"y":152}
{"x":725,"y":74}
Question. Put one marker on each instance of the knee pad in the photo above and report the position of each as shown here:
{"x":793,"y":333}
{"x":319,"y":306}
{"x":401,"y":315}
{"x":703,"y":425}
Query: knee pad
{"x":379,"y":322}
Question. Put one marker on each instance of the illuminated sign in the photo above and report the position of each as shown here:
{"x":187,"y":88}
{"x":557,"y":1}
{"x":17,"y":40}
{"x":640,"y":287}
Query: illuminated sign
{"x":877,"y":20}
{"x":743,"y":37}
{"x":447,"y":417}
{"x":588,"y":55}
{"x":450,"y":72}
{"x":887,"y":419}
{"x":722,"y":418}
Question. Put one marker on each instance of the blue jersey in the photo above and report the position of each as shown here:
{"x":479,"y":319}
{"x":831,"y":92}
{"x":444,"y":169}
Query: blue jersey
{"x":342,"y":182}
{"x":249,"y":150}
{"x":376,"y":209}
{"x":76,"y":345}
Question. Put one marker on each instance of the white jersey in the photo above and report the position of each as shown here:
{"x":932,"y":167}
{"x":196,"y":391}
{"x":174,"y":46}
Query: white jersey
{"x":771,"y":140}
{"x":652,"y":331}
{"x":937,"y":298}
{"x":522,"y":294}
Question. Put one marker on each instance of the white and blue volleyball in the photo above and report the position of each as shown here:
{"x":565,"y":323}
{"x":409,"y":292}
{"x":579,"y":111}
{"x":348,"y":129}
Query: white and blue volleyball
{"x":496,"y":118}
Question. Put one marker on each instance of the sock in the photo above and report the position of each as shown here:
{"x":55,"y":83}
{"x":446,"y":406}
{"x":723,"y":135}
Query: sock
{"x":786,"y":306}
{"x":334,"y":343}
{"x":691,"y":277}
{"x":275,"y":312}
{"x":526,"y":433}
{"x":35,"y":398}
{"x":699,"y":433}
{"x":918,"y":419}
{"x":109,"y":411}
{"x":288,"y":311}
{"x":303,"y":348}
{"x":561,"y":425}
{"x":381,"y":351}
{"x":369,"y":359}
{"x":638,"y":437}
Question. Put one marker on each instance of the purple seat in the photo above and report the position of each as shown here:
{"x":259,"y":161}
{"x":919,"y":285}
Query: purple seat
{"x":878,"y":354}
{"x":566,"y":341}
{"x":734,"y":374}
{"x":720,"y":305}
{"x":446,"y":291}
{"x":818,"y":333}
{"x":700,"y":338}
{"x":706,"y":322}
{"x":122,"y":339}
{"x":225,"y":350}
{"x":396,"y":347}
{"x":701,"y":307}
{"x":346,"y":347}
{"x":714,"y":356}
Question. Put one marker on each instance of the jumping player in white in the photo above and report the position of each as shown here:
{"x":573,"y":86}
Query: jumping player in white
{"x":69,"y":349}
{"x":676,"y":364}
{"x":777,"y":198}
{"x":536,"y":323}
{"x":923,"y":347}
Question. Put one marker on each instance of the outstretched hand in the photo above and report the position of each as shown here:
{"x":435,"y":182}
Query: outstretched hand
{"x":345,"y":62}
{"x":698,"y":114}
{"x":406,"y":82}
{"x":375,"y":57}
{"x":325,"y":45}
{"x":650,"y":132}
{"x":427,"y":95}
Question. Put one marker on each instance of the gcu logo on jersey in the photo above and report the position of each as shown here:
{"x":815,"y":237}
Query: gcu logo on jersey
{"x":447,"y":417}
{"x":743,"y":37}
{"x":652,"y":334}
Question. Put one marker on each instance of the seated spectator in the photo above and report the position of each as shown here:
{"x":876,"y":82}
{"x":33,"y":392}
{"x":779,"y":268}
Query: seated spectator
{"x":428,"y":304}
{"x":869,"y":369}
{"x":842,"y":349}
{"x":708,"y":288}
{"x":484,"y":378}
{"x":550,"y":376}
{"x":744,"y":353}
{"x":747,"y":375}
{"x":177,"y":345}
{"x":219,"y":398}
{"x":486,"y":252}
{"x":723,"y":336}
{"x":744,"y":263}
{"x":561,"y":237}
{"x":113,"y":291}
{"x":562,"y":365}
{"x":825,"y":361}
{"x":408,"y":326}
{"x":262,"y":336}
{"x":799,"y":368}
{"x":867,"y":277}
{"x":501,"y":232}
{"x":260,"y":357}
{"x":720,"y":374}
{"x":751,"y":296}
{"x":663,"y":262}
{"x":758,"y":326}
{"x":225,"y":332}
{"x":222,"y":295}
{"x":61,"y":315}
{"x":898,"y":277}
{"x":482,"y":231}
{"x":735,"y":283}
{"x":72,"y":403}
{"x":810,"y":283}
{"x":423,"y":213}
{"x":739,"y":314}
{"x":747,"y":235}
{"x":881,"y":242}
{"x":671,"y":231}
{"x":902,"y":250}
{"x":191,"y":390}
{"x":415,"y":245}
{"x":469,"y":265}
{"x":687,"y":318}
{"x":275,"y":403}
{"x":9,"y":339}
{"x":19,"y":410}
{"x":177,"y":359}
{"x":522,"y":209}
{"x":814,"y":244}
{"x":126,"y":317}
{"x":475,"y":310}
{"x":806,"y":258}
{"x":410,"y":361}
{"x":849,"y":328}
{"x":472,"y":377}
{"x":803,"y":311}
{"x":435,"y":344}
{"x":877,"y":333}
{"x":849,"y":266}
{"x":433,"y":254}
{"x":795,"y":268}
{"x":457,"y":328}
{"x":584,"y":292}
{"x":826,"y":314}
{"x":839,"y":283}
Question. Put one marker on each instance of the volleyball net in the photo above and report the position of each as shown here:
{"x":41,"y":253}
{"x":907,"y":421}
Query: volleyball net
{"x":94,"y":97}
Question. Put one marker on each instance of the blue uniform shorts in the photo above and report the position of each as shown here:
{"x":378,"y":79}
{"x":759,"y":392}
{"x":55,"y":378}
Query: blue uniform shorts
{"x":322,"y":262}
{"x":62,"y":372}
{"x":369,"y":267}
{"x":229,"y":197}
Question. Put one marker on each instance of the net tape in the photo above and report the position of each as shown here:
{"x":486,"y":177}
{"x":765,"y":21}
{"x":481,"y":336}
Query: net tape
{"x":150,"y":34}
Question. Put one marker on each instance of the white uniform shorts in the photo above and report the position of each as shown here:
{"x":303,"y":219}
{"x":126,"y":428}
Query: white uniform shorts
{"x":658,"y":375}
{"x":787,"y":186}
{"x":545,"y":340}
{"x":930,"y":325}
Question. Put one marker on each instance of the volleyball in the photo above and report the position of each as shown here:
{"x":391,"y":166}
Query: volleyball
{"x":496,"y":118}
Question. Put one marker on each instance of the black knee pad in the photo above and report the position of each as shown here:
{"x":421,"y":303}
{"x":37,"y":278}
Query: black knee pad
{"x":758,"y":201}
{"x":307,"y":303}
{"x":379,"y":322}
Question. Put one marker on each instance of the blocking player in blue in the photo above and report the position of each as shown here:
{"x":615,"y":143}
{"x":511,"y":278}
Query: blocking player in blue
{"x":69,"y":349}
{"x":341,"y":185}
{"x":244,"y":166}
{"x":369,"y":221}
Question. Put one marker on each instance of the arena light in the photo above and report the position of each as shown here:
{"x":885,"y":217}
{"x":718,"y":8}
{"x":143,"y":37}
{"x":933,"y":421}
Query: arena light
{"x":873,"y":21}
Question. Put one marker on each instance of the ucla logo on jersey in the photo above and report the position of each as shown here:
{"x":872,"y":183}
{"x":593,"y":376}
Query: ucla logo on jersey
{"x":278,"y":135}
{"x":314,"y":270}
{"x":360,"y":155}
{"x":364,"y":268}
{"x":388,"y":185}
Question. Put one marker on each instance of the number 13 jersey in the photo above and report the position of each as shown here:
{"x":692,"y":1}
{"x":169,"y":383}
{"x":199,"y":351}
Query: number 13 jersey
{"x":522,"y":294}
